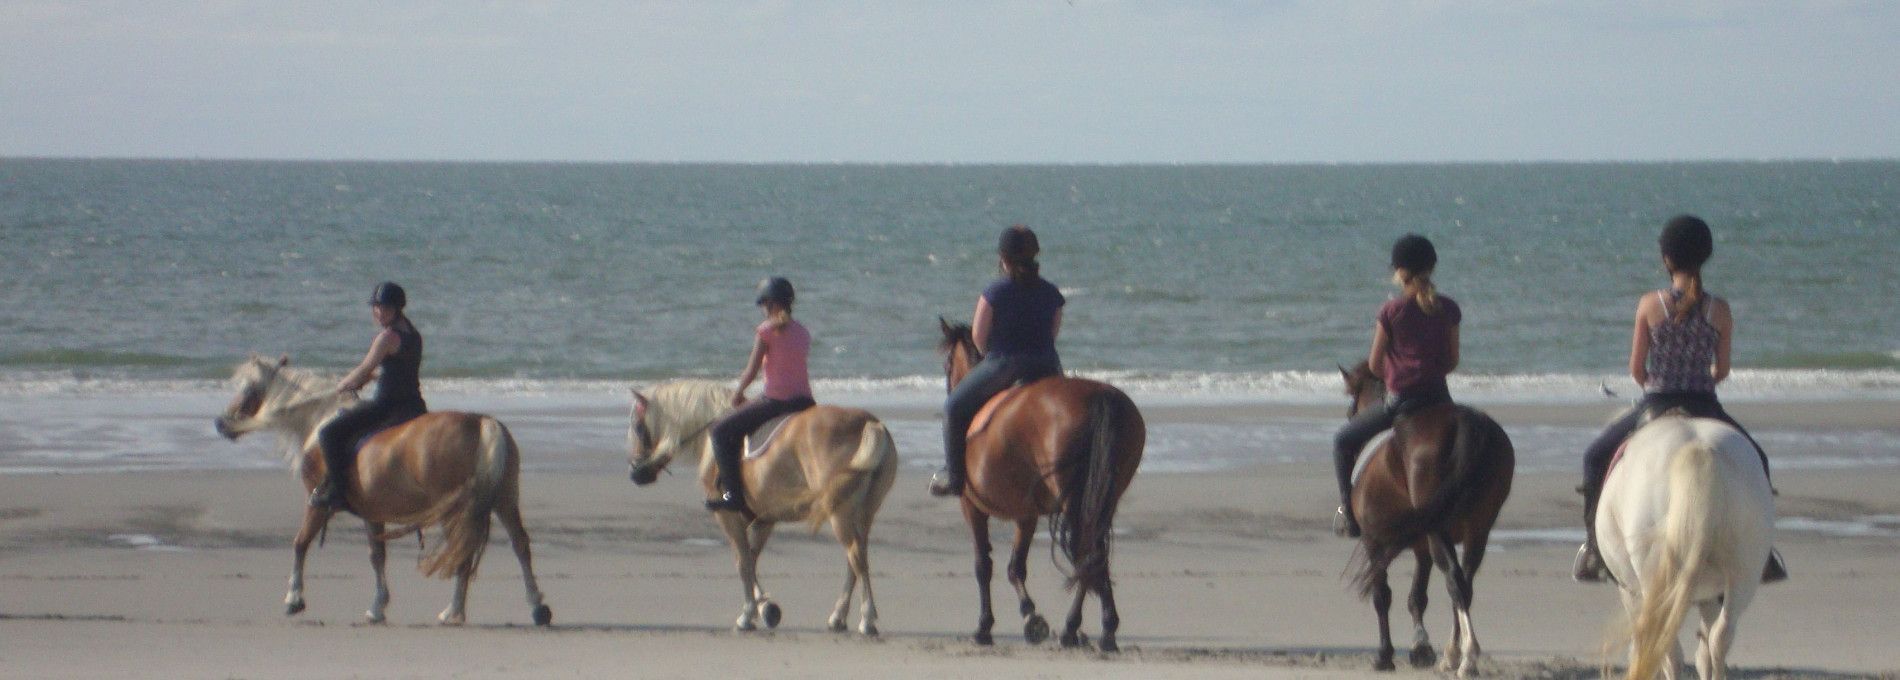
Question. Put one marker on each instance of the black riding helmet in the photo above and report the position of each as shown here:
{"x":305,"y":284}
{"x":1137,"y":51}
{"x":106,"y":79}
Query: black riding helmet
{"x":1414,"y":253}
{"x":777,"y":290}
{"x":1686,"y":242}
{"x":388,"y":294}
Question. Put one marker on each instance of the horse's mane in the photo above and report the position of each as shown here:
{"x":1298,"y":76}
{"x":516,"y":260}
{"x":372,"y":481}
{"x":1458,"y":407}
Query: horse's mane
{"x":681,"y":410}
{"x":956,"y":335}
{"x":289,"y":389}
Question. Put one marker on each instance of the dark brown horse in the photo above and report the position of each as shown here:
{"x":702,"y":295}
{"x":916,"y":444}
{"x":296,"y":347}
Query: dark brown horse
{"x":1436,"y":484}
{"x":1059,"y":446}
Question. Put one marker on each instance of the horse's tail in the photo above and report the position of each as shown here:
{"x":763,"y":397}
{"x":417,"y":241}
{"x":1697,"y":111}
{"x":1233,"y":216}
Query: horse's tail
{"x":1682,"y":552}
{"x":465,"y":516}
{"x":1473,"y":435}
{"x":861,"y":486}
{"x":1083,"y":526}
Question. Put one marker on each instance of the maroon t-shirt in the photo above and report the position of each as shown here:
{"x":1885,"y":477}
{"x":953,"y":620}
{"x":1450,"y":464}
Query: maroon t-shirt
{"x":1418,"y":354}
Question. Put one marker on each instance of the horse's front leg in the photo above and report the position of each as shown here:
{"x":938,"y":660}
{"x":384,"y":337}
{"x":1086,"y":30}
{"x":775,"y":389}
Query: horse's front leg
{"x":1382,"y":606}
{"x":757,"y":534}
{"x":980,"y":540}
{"x":1035,"y":628}
{"x":313,"y":520}
{"x":737,"y":532}
{"x":378,"y":554}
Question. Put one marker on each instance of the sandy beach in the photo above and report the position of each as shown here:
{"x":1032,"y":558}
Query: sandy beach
{"x":181,"y":574}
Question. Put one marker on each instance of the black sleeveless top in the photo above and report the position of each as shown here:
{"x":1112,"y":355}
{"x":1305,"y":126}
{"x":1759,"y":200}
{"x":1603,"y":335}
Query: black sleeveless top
{"x":399,"y":380}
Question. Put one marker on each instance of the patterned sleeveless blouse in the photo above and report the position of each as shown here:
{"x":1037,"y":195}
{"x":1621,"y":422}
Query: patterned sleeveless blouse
{"x":1682,"y":351}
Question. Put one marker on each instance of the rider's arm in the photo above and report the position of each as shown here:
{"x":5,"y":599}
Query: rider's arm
{"x":1639,"y":341}
{"x":1380,"y":343}
{"x":385,"y":344}
{"x":1724,"y":332}
{"x":1451,"y":360}
{"x":751,"y":372}
{"x":980,"y":324}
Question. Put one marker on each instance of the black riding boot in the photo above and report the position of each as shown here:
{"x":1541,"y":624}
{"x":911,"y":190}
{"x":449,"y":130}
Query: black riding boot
{"x":1588,"y":567}
{"x":1344,"y":523}
{"x":329,"y":493}
{"x":731,"y":496}
{"x":948,"y":481}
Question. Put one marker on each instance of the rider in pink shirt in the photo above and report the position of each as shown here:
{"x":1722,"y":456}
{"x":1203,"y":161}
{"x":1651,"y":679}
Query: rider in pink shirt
{"x":779,"y":349}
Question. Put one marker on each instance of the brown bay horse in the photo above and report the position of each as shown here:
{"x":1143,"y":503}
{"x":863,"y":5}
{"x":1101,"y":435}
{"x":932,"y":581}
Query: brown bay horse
{"x":445,"y":468}
{"x":826,"y":463}
{"x":1437,"y":484}
{"x":1059,"y":446}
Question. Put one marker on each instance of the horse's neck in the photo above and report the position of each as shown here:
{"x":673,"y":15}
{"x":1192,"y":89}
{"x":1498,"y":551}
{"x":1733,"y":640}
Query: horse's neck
{"x":688,"y":412}
{"x":301,"y":408}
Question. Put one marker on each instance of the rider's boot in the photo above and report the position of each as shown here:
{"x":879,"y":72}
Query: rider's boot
{"x":947,"y":482}
{"x":731,"y":498}
{"x":328,"y":494}
{"x":1588,"y":567}
{"x":1344,"y":523}
{"x":1775,"y":571}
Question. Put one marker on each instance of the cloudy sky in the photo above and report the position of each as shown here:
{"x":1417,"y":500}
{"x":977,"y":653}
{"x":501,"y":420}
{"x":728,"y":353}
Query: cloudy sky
{"x":1111,"y":81}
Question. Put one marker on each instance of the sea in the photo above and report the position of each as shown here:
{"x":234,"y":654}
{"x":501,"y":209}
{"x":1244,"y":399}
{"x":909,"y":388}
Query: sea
{"x":546,"y":291}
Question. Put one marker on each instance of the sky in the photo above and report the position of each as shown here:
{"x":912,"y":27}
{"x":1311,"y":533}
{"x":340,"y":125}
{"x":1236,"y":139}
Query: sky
{"x":952,"y":81}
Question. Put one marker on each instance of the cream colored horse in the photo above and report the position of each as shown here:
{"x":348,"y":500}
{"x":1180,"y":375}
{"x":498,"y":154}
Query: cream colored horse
{"x":443,"y":468}
{"x":825,"y":463}
{"x":1686,"y":518}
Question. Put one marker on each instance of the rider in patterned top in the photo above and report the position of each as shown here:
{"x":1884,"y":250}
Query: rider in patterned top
{"x":780,"y":347}
{"x":395,"y":359}
{"x":1679,"y":350}
{"x":1414,"y":345}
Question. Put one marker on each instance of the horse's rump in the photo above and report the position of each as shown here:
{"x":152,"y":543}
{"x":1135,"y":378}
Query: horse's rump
{"x":1450,"y":471}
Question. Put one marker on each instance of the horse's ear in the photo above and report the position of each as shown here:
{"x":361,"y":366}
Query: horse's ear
{"x":639,"y":401}
{"x":1343,"y":373}
{"x":283,"y":361}
{"x":944,"y":324}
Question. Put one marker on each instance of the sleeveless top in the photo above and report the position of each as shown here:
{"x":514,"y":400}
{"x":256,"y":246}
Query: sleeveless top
{"x":786,"y":350}
{"x":1681,"y":351}
{"x":399,"y":379}
{"x":1418,"y":351}
{"x":1023,"y":317}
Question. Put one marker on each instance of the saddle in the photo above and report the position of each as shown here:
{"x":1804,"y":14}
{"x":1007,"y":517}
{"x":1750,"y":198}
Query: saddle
{"x":1406,"y":416}
{"x":756,"y":445}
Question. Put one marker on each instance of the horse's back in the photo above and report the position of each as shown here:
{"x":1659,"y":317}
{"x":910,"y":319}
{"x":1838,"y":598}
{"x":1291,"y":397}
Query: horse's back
{"x":1029,"y":430}
{"x":1409,"y":472}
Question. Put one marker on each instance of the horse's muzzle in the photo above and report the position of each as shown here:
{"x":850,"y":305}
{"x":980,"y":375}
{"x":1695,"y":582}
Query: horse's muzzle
{"x":224,"y":429}
{"x":642,"y":475}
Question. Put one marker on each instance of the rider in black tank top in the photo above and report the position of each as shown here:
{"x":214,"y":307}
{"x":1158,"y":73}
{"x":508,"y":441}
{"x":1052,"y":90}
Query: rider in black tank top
{"x":395,"y":357}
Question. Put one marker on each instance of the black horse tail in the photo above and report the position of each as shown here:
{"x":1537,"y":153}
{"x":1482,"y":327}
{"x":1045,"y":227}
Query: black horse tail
{"x":1085,"y":523}
{"x":1472,"y":437}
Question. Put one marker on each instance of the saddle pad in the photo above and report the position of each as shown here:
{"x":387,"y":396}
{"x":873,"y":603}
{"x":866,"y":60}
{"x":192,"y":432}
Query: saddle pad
{"x":756,"y":445}
{"x":1365,"y":454}
{"x":1614,"y":459}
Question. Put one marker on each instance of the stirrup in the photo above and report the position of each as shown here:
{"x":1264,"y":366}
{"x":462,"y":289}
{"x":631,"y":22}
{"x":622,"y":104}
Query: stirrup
{"x":328,"y":496}
{"x":1775,"y":571}
{"x":943,"y":484}
{"x":728,"y":501}
{"x":1588,"y":567}
{"x":1344,"y":526}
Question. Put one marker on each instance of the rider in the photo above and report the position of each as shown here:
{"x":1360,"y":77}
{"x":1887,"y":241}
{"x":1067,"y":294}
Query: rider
{"x":779,"y":348}
{"x":1679,"y":350}
{"x":1414,"y":345}
{"x":1015,"y":326}
{"x":395,"y":358}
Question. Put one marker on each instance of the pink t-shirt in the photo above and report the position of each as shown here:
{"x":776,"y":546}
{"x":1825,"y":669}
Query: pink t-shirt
{"x":786,"y":348}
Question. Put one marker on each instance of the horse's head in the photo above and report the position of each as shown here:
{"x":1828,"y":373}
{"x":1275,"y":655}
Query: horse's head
{"x":1364,"y":387}
{"x":959,"y":351}
{"x":255,"y":378}
{"x":644,"y":462}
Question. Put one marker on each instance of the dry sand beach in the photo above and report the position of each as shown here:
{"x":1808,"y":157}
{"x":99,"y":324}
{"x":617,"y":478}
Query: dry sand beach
{"x":1219,"y":575}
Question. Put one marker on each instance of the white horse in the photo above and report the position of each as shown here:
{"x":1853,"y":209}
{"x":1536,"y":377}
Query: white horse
{"x":1687,"y":517}
{"x":824,"y":463}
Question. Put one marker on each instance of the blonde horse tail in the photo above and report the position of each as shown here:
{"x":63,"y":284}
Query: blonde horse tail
{"x":863,"y":481}
{"x":1681,"y":554}
{"x":465,"y":516}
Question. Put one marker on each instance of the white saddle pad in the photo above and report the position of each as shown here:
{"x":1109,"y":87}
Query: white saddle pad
{"x":1365,"y":454}
{"x":756,"y":445}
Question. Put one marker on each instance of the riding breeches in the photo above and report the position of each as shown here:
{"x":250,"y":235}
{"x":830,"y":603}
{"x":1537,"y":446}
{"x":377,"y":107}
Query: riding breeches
{"x":338,"y":437}
{"x":1596,"y":458}
{"x":989,"y":378}
{"x":728,"y":435}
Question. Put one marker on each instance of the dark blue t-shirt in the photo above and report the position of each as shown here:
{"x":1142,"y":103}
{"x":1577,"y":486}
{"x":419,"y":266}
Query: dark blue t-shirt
{"x":1022,"y":317}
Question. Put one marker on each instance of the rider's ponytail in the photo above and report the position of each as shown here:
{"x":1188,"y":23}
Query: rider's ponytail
{"x":1686,"y":244}
{"x":1691,"y":296}
{"x":1018,"y":248}
{"x":1418,"y":287}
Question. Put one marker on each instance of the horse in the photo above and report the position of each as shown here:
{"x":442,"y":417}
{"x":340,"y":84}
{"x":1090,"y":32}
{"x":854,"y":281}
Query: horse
{"x":1058,"y":446}
{"x":444,"y":468}
{"x":1436,"y":484}
{"x":1686,"y":517}
{"x":823,"y":463}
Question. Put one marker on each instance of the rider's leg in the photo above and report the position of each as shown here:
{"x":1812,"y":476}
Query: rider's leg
{"x":335,"y":440}
{"x":991,"y":376}
{"x":728,"y":441}
{"x":1346,"y":447}
{"x":1596,"y":464}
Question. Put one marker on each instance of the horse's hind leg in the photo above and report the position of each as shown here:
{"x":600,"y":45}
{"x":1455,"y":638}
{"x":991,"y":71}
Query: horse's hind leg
{"x":1382,"y":606}
{"x":980,"y":540}
{"x":313,"y":520}
{"x":378,"y":554}
{"x":857,"y":567}
{"x":457,"y":613}
{"x":1422,"y":655}
{"x":1072,"y":627}
{"x":1111,"y":618}
{"x":1035,"y":628}
{"x":1462,"y":652}
{"x":757,"y":534}
{"x":510,"y":515}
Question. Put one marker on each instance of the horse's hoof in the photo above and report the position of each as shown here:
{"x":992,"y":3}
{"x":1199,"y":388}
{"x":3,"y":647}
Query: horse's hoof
{"x":543,"y":615}
{"x":1384,"y":663}
{"x":982,"y":637}
{"x":293,"y":608}
{"x":868,"y":630}
{"x":1072,"y":640}
{"x":836,"y":625}
{"x":1108,"y":646}
{"x":1423,"y":656}
{"x":1036,"y":629}
{"x":373,"y":617}
{"x":769,"y":612}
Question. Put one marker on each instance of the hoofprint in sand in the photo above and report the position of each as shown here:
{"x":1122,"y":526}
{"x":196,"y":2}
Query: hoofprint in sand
{"x":1219,"y":575}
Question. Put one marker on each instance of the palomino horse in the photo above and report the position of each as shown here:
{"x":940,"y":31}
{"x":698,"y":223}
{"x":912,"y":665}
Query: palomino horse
{"x":1059,"y":446}
{"x":1686,"y":517}
{"x":446,"y":468}
{"x":1436,"y":484}
{"x":824,"y":463}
